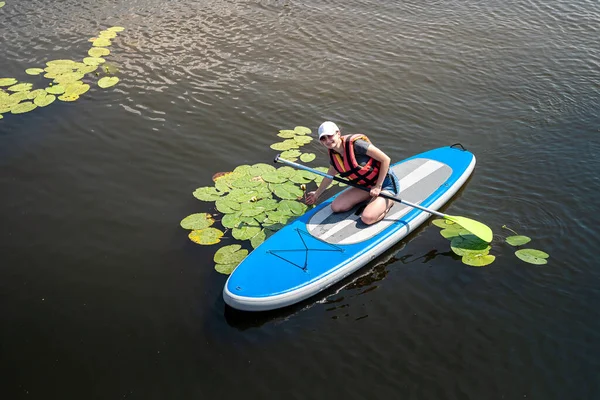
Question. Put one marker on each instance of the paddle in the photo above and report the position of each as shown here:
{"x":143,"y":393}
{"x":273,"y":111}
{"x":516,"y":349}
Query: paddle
{"x":476,"y":228}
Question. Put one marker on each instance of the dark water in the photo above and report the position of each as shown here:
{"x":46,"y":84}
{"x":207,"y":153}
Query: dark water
{"x":102,"y":296}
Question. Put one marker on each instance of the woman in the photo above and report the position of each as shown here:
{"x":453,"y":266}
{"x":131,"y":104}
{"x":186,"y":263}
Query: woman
{"x":356,"y":159}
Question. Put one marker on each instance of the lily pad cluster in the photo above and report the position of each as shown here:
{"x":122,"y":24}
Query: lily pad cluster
{"x":253,"y":201}
{"x":531,"y":256}
{"x":475,"y":252}
{"x":67,"y":78}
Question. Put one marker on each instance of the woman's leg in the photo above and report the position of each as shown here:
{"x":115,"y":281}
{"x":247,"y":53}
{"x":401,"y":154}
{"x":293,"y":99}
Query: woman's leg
{"x":376,"y":210}
{"x":348,"y":199}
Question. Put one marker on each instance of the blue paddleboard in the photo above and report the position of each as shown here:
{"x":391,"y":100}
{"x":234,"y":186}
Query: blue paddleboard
{"x":321,"y":248}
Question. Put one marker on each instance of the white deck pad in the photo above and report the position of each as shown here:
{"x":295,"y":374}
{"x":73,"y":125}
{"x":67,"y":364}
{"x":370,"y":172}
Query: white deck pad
{"x":419,"y":178}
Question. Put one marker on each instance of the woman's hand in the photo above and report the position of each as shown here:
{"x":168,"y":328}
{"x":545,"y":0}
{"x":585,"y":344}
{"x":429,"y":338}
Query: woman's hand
{"x":311,"y":197}
{"x":375,"y":190}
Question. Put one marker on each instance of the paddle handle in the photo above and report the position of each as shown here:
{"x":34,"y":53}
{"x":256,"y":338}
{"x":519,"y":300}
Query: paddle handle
{"x":347,"y":182}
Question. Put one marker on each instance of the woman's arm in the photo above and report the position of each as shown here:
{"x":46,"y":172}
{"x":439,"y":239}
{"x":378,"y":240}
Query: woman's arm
{"x":311,"y":197}
{"x":380,"y":156}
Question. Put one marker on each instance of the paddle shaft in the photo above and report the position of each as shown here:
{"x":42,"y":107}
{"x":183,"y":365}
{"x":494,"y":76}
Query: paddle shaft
{"x":347,"y":182}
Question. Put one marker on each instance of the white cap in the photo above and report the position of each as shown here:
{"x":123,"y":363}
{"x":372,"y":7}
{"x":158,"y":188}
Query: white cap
{"x":327,"y":128}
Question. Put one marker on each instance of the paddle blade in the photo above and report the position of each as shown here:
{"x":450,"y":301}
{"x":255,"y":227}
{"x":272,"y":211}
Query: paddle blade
{"x":478,"y":229}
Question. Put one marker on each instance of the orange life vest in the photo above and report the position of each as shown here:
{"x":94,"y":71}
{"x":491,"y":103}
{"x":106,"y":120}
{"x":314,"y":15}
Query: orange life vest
{"x":349,"y":168}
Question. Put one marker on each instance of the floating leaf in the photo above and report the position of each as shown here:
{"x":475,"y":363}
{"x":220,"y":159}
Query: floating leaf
{"x":56,"y":89}
{"x":68,"y":77}
{"x":75,"y":89}
{"x":107,"y":34}
{"x":226,"y":269}
{"x":231,"y":220}
{"x":302,"y":140}
{"x":197,"y":221}
{"x":230,"y":254}
{"x":61,"y":62}
{"x":258,"y":239}
{"x":7,"y":81}
{"x":302,"y":176}
{"x":450,"y":233}
{"x":43,"y":101}
{"x":468,"y":244}
{"x":2,"y":3}
{"x":68,"y":97}
{"x":108,"y":81}
{"x":116,"y":29}
{"x":245,"y":232}
{"x":261,"y":168}
{"x":287,"y":191}
{"x":93,"y":60}
{"x":302,"y":130}
{"x":307,"y":157}
{"x":34,"y":71}
{"x":207,"y":193}
{"x":101,"y":42}
{"x":292,"y":206}
{"x":274,"y":177}
{"x":35,"y":93}
{"x":532,"y":256}
{"x":98,"y":52}
{"x":206,"y":236}
{"x":18,"y":96}
{"x":86,"y":69}
{"x":20,"y":87}
{"x":517,"y":240}
{"x":282,"y":146}
{"x":478,"y":260}
{"x":227,"y":205}
{"x":286,"y":133}
{"x":23,"y":107}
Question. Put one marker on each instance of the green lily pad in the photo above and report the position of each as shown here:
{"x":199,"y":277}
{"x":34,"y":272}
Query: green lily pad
{"x":307,"y":157}
{"x":107,"y":34}
{"x":230,"y":254}
{"x":283,"y":146}
{"x":75,"y":89}
{"x":274,"y":177}
{"x":232,"y":220}
{"x":17,"y":97}
{"x":43,"y":101}
{"x":226,"y":269}
{"x":207,"y":193}
{"x":227,"y":205}
{"x":302,"y":176}
{"x":34,"y":71}
{"x":197,"y":221}
{"x":35,"y":93}
{"x":68,"y":97}
{"x":302,"y":140}
{"x":2,"y":4}
{"x":108,"y":81}
{"x":468,"y":244}
{"x":86,"y":69}
{"x":55,"y":89}
{"x":478,"y":260}
{"x":23,"y":107}
{"x":517,"y":240}
{"x":286,"y":133}
{"x":292,"y":206}
{"x":206,"y":236}
{"x":20,"y":87}
{"x":532,"y":256}
{"x":4,"y":108}
{"x":93,"y":60}
{"x":101,"y":42}
{"x":258,"y":239}
{"x":68,"y":77}
{"x":7,"y":81}
{"x":291,"y":155}
{"x":116,"y":29}
{"x":287,"y":191}
{"x":302,"y":130}
{"x":451,"y":233}
{"x":98,"y":52}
